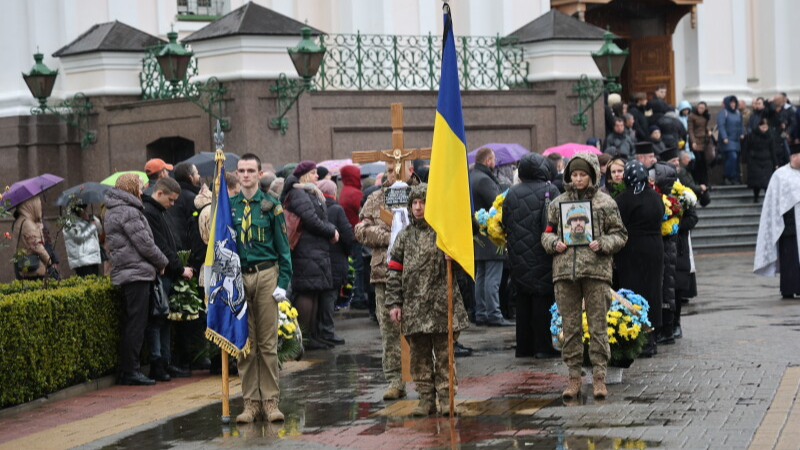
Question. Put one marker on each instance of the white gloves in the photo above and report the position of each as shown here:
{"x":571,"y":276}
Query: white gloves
{"x":279,"y":295}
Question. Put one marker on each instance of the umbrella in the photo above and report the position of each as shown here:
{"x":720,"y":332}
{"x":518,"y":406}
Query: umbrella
{"x":26,"y":189}
{"x":206,"y":166}
{"x":87,"y":193}
{"x":569,"y":149}
{"x":335,"y":165}
{"x":373,"y":168}
{"x":504,"y":153}
{"x":112,"y":180}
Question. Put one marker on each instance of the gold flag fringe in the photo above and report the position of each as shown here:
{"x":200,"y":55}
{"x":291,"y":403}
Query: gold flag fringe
{"x":226,"y":345}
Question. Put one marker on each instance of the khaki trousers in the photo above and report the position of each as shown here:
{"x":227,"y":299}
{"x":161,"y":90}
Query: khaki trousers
{"x":259,"y":369}
{"x":429,"y":364}
{"x":390,"y":338}
{"x":569,"y":297}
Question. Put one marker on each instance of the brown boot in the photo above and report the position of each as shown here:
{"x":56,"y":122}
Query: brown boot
{"x":599,"y":383}
{"x":271,"y":411}
{"x":252,"y":409}
{"x":573,"y":389}
{"x":394,"y":394}
{"x":426,"y":407}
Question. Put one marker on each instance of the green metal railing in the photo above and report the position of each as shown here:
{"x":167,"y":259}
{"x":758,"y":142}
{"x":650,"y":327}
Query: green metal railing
{"x":389,"y":62}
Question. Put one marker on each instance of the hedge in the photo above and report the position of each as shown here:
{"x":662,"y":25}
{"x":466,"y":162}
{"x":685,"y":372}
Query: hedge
{"x":55,"y":337}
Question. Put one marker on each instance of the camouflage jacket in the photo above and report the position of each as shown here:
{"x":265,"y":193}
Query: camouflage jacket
{"x":582,"y":262}
{"x":374,"y":233}
{"x":418,"y":280}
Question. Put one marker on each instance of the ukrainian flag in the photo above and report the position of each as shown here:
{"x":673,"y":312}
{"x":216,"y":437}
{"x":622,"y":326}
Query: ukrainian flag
{"x":227,"y":308}
{"x":448,"y":207}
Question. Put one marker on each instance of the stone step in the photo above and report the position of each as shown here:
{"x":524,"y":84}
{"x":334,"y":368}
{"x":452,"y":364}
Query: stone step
{"x":705,"y":230}
{"x":726,"y":216}
{"x":722,"y":208}
{"x":736,"y":199}
{"x":703,"y":248}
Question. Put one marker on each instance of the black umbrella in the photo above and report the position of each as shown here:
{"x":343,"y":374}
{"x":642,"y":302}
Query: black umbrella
{"x":88,"y":193}
{"x":206,"y":165}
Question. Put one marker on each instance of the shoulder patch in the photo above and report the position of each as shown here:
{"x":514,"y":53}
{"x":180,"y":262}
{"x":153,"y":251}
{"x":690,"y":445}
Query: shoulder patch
{"x":278,"y":210}
{"x":267,"y":205}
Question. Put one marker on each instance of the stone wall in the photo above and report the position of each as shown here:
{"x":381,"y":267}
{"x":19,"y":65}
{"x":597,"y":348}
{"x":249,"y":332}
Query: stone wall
{"x":322,"y":125}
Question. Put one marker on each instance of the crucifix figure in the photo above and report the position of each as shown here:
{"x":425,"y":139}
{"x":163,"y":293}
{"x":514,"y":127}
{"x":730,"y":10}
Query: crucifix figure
{"x":399,"y":157}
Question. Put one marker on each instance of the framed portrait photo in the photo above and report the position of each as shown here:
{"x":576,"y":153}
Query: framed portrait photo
{"x":577,"y":227}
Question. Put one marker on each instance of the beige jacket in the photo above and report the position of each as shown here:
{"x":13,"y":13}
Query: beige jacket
{"x":29,"y":230}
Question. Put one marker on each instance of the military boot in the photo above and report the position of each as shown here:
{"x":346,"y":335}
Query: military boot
{"x":599,"y":383}
{"x":252,"y":409}
{"x":444,"y":405}
{"x":426,"y":407}
{"x":573,"y":389}
{"x":271,"y":411}
{"x":394,"y":394}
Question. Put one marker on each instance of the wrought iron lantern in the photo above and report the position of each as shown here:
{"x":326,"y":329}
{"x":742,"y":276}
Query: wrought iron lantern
{"x":307,"y":58}
{"x":174,"y":59}
{"x":74,"y":111}
{"x":609,"y":60}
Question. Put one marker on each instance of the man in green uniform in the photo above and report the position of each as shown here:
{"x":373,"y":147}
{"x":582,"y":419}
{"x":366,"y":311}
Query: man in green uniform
{"x":577,"y":220}
{"x":266,"y":269}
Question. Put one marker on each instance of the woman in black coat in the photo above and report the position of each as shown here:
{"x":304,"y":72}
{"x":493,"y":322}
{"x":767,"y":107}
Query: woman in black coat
{"x":339,"y":264}
{"x":311,"y":260}
{"x":524,"y":217}
{"x":640,"y":264}
{"x":760,"y":157}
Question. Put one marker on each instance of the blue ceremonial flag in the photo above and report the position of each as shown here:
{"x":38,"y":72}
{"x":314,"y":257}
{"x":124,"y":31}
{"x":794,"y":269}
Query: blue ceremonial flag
{"x":227,"y":308}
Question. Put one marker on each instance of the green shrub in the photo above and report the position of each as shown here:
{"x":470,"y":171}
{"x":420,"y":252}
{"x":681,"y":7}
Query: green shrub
{"x":56,"y":337}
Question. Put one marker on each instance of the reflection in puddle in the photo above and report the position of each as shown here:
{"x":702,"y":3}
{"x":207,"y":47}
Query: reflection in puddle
{"x":337,"y":404}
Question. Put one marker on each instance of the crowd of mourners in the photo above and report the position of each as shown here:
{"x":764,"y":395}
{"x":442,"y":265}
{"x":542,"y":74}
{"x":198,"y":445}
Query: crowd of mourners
{"x":309,"y":234}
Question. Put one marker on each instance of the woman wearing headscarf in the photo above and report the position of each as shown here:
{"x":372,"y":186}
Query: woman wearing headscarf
{"x":135,"y":261}
{"x":311,"y":256}
{"x":640,"y":264}
{"x":29,"y":230}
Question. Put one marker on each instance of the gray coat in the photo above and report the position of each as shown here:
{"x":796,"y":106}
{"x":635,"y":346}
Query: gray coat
{"x":134,"y":255}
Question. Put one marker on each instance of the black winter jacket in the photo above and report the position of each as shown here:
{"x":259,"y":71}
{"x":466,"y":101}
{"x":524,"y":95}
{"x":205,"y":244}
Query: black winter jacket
{"x":341,"y":249}
{"x":181,"y":214}
{"x":311,"y":258}
{"x":161,"y":226}
{"x":524,"y":219}
{"x":672,"y":131}
{"x":484,"y":188}
{"x":760,"y":157}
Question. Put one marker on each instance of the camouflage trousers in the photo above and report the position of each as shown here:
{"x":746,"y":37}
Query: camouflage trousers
{"x":390,"y":337}
{"x":429,"y":364}
{"x":569,"y":297}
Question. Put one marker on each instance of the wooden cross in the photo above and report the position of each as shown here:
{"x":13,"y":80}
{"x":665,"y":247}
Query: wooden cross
{"x":400,"y":156}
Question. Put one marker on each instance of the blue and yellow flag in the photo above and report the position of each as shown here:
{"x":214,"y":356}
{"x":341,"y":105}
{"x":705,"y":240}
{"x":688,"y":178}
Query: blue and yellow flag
{"x":448,"y":207}
{"x":227,"y":308}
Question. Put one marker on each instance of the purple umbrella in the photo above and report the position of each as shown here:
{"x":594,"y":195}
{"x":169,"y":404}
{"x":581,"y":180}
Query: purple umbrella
{"x":504,"y":153}
{"x":26,"y":189}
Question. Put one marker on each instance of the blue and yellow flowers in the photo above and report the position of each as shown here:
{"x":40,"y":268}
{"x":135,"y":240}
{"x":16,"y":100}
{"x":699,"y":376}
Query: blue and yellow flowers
{"x":491,"y":222}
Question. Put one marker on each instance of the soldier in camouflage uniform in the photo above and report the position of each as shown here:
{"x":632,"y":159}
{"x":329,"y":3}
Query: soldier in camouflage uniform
{"x":582,"y":274}
{"x":416,"y":295}
{"x":375,"y":233}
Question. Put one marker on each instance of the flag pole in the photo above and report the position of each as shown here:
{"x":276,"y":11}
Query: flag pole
{"x":450,"y":355}
{"x":226,"y":406}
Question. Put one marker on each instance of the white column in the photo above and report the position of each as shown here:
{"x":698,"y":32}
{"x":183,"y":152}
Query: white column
{"x":485,"y":18}
{"x":777,"y":65}
{"x":430,"y":17}
{"x":721,"y":53}
{"x":285,"y":7}
{"x":517,"y":13}
{"x":126,"y":12}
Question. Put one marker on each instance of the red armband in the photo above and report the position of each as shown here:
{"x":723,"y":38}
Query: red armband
{"x":394,"y":265}
{"x":549,"y":229}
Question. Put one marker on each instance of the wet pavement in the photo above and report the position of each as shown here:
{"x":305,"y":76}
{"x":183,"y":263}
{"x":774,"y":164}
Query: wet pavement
{"x":730,"y":383}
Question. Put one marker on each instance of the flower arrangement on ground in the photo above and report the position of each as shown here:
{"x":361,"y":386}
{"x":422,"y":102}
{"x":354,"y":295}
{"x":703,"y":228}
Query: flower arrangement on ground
{"x":628,"y":325}
{"x":184,"y":301}
{"x":290,"y":338}
{"x":686,"y":196}
{"x":491,"y":222}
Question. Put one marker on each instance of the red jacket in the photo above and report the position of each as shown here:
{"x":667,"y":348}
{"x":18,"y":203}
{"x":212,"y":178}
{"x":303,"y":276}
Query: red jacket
{"x":350,"y":197}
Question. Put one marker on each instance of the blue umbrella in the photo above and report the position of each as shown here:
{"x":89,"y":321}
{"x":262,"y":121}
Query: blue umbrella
{"x":503,"y":153}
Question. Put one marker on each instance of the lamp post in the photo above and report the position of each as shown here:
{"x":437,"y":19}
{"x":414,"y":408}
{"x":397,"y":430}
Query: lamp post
{"x":40,"y":81}
{"x":173,"y":60}
{"x":609,"y":60}
{"x":307,"y":58}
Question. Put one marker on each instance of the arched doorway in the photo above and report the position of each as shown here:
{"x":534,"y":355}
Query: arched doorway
{"x":171,"y":149}
{"x":645,"y":28}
